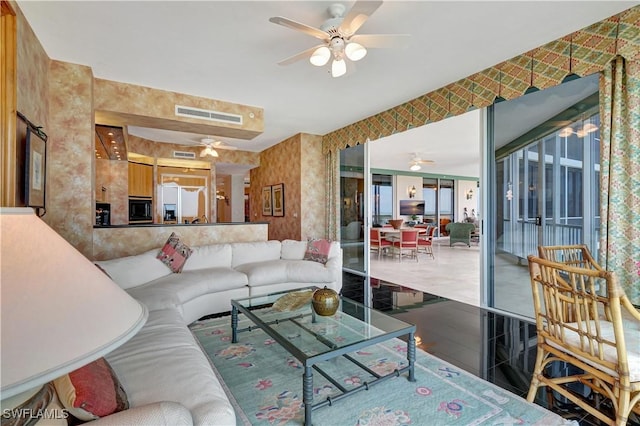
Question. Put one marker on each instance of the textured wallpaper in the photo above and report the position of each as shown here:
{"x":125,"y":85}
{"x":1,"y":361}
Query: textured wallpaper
{"x":70,"y":166}
{"x":279,"y":164}
{"x":33,"y":74}
{"x":110,"y":243}
{"x":313,"y":194}
{"x":298,"y":163}
{"x":112,"y":187}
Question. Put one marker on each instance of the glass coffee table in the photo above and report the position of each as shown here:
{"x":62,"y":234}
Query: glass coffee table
{"x":312,"y":339}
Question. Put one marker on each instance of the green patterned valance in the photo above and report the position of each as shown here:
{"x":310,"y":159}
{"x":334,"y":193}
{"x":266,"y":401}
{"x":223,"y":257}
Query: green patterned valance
{"x":582,"y":53}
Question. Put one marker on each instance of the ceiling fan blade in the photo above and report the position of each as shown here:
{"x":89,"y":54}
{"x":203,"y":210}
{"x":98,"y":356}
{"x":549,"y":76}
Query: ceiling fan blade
{"x":357,"y":16}
{"x":299,"y":56}
{"x":229,"y":147}
{"x":314,"y":32}
{"x":374,"y":41}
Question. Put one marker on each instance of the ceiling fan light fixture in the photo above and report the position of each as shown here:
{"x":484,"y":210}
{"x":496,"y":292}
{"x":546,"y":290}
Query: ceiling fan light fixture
{"x":208,"y":151}
{"x":338,"y":68}
{"x":415,"y":167}
{"x":355,"y":51}
{"x":320,"y":56}
{"x":566,"y":132}
{"x":589,"y":128}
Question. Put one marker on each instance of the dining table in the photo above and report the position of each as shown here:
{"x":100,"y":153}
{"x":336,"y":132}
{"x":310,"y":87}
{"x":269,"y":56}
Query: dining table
{"x":393,"y":234}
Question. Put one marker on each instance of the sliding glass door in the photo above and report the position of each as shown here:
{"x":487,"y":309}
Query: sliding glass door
{"x":355,"y":220}
{"x":546,"y":193}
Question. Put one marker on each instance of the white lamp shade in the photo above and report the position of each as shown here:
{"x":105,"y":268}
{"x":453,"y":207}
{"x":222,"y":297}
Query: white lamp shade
{"x":415,"y":167}
{"x":320,"y":56}
{"x":355,"y":51}
{"x":59,"y":311}
{"x":338,"y":68}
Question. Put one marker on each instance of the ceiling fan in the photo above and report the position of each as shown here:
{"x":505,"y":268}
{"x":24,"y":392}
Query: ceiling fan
{"x":210,"y":145}
{"x":416,"y":162}
{"x":339,"y":40}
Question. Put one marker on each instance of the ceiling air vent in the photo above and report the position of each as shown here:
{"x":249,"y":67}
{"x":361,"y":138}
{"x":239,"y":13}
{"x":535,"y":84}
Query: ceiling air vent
{"x":184,"y":154}
{"x":204,"y":114}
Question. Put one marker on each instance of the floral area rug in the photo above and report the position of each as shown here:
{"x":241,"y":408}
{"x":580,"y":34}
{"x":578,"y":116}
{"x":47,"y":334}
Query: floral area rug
{"x":264,"y":382}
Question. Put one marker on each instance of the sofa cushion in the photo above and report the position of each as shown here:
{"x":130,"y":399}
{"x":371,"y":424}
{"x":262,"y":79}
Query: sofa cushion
{"x":132,"y":271}
{"x":258,"y":251}
{"x":174,"y":253}
{"x":173,"y":290}
{"x":209,"y":256}
{"x":91,"y":391}
{"x":305,"y":271}
{"x":163,"y":362}
{"x":318,"y":250}
{"x":293,"y":250}
{"x":264,"y":273}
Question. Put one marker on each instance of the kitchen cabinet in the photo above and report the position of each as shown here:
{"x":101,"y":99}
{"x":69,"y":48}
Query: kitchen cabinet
{"x":140,"y":180}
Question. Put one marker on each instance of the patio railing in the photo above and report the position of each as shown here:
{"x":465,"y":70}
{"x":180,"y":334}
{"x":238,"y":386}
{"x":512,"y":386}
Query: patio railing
{"x":520,"y":238}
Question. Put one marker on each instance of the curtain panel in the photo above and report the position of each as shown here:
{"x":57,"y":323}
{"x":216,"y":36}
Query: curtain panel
{"x":620,"y":173}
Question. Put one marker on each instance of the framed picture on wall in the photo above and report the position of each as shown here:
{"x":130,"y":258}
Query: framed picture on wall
{"x":266,"y":201}
{"x":277,"y":201}
{"x":35,"y":169}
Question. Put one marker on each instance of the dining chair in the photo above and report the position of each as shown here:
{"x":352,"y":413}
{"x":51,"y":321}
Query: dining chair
{"x":378,"y":242}
{"x":408,"y":241}
{"x":584,"y":319}
{"x":425,"y":241}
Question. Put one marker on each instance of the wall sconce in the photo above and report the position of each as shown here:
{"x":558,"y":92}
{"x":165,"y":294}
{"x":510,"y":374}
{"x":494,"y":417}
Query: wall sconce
{"x":469,"y":194}
{"x":412,"y":191}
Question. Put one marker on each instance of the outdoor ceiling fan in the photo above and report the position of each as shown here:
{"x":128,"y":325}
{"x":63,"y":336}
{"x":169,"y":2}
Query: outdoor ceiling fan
{"x":339,"y":40}
{"x":416,"y":162}
{"x":210,"y":145}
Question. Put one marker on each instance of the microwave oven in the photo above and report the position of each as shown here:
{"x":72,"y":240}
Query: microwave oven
{"x":140,"y":210}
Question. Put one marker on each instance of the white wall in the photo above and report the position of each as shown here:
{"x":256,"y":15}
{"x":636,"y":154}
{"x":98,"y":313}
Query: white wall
{"x":461,"y":198}
{"x":402,"y":185}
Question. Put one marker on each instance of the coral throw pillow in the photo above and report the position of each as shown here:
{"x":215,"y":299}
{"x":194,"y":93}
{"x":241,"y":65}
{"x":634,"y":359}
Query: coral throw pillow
{"x":175,"y":253}
{"x":92,"y":391}
{"x":318,"y":250}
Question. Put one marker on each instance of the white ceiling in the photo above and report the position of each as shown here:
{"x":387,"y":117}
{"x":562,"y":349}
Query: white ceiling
{"x":228,"y":50}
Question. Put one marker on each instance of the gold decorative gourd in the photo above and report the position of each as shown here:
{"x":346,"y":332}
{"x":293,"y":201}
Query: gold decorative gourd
{"x":325,"y":301}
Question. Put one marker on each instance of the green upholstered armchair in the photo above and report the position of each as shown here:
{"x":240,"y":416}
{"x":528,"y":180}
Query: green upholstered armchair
{"x":460,"y":232}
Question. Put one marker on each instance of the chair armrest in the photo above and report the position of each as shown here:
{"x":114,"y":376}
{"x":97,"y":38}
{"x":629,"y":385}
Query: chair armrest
{"x":159,"y":413}
{"x":628,"y":306}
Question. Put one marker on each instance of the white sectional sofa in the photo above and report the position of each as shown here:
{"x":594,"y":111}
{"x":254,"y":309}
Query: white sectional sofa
{"x":167,"y":378}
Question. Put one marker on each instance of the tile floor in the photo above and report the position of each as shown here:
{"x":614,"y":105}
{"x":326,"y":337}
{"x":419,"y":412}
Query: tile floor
{"x":454,"y":273}
{"x":441,"y":297}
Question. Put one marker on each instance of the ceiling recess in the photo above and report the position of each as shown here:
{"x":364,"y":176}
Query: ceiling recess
{"x":110,"y":144}
{"x":223,"y":117}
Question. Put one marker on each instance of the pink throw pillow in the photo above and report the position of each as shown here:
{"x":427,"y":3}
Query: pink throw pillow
{"x":318,"y":250}
{"x":175,"y":253}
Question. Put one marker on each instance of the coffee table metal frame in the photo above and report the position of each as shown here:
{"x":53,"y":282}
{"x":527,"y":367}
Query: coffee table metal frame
{"x":310,"y":362}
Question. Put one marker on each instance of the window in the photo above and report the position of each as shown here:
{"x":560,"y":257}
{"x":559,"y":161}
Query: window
{"x":381,"y":198}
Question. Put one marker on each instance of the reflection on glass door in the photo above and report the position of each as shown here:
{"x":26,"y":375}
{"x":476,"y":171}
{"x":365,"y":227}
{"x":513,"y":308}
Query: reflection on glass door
{"x":546,"y":194}
{"x":352,"y":208}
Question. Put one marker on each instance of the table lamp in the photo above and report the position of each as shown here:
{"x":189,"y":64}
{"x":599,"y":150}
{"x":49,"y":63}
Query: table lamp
{"x":59,"y":311}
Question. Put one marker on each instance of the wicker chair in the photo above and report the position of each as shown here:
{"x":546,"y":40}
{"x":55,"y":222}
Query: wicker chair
{"x":460,"y":232}
{"x":577,"y":325}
